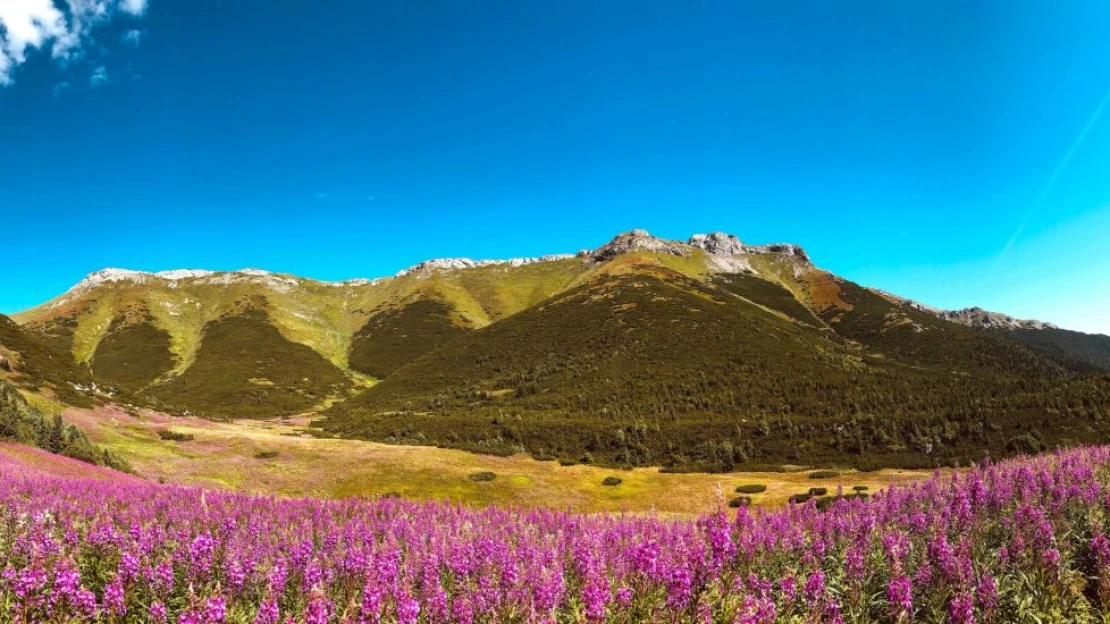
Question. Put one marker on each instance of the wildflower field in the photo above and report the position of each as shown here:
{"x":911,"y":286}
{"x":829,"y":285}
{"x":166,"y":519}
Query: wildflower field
{"x":1022,"y":540}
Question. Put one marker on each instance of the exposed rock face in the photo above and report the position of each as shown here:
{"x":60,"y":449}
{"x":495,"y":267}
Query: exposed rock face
{"x":978,"y":317}
{"x":718,"y":243}
{"x":972,"y":317}
{"x":451,"y":264}
{"x":638,"y":240}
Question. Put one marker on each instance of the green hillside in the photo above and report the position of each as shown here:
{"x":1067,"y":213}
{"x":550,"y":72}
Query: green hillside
{"x":645,"y":351}
{"x":664,"y":369}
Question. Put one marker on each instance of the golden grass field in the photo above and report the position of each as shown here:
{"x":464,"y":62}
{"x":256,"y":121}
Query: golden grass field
{"x":225,"y":455}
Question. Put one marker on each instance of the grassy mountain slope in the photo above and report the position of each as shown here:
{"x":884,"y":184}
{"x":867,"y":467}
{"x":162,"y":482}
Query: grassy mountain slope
{"x":244,"y":367}
{"x":1077,"y":348}
{"x":21,"y":422}
{"x":657,"y":367}
{"x":36,"y":365}
{"x":643,"y":351}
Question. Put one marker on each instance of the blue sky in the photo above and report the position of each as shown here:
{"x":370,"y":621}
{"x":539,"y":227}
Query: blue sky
{"x":945,"y":151}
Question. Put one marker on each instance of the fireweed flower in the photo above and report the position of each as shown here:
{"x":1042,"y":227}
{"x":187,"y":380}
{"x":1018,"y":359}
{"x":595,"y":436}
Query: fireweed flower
{"x":899,"y":594}
{"x":947,"y":545}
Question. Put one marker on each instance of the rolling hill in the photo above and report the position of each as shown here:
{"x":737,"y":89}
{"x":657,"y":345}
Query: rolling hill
{"x":704,"y":354}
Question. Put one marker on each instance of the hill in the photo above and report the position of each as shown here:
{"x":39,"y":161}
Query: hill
{"x":704,"y":354}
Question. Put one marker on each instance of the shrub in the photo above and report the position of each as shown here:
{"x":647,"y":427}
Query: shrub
{"x":824,"y":474}
{"x":266,"y":454}
{"x":800,"y":498}
{"x":740,"y":501}
{"x":174,"y":436}
{"x":482,"y":476}
{"x":818,"y":491}
{"x":753,"y":488}
{"x":860,"y":488}
{"x":567,"y":462}
{"x":611,"y":481}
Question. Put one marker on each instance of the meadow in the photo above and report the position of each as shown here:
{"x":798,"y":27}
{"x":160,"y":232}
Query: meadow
{"x":1021,"y":541}
{"x":277,"y":457}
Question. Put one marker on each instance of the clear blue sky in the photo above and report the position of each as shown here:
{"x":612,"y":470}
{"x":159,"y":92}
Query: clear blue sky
{"x":904,"y":144}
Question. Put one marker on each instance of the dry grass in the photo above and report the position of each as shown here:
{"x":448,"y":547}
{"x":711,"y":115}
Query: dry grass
{"x":224,"y":455}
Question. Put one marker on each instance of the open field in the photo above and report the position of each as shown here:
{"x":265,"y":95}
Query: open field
{"x":231,"y":455}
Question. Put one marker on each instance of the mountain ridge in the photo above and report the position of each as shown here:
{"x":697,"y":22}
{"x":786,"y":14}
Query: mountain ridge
{"x":727,"y":254}
{"x":698,"y":354}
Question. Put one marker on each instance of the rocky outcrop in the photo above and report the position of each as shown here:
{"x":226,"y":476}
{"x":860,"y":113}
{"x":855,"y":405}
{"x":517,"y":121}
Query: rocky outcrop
{"x":717,"y":243}
{"x":452,"y":264}
{"x":978,"y":317}
{"x":638,"y":240}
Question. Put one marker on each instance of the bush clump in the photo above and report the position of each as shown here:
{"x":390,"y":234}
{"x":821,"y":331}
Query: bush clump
{"x":824,"y":474}
{"x":800,"y":498}
{"x":174,"y":436}
{"x":266,"y":454}
{"x":860,"y":488}
{"x":611,"y":481}
{"x":482,"y":476}
{"x":752,"y":488}
{"x":740,"y":501}
{"x":818,"y":491}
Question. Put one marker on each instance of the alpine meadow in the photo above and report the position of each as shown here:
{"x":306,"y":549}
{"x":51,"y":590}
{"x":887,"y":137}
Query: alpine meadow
{"x":460,"y":388}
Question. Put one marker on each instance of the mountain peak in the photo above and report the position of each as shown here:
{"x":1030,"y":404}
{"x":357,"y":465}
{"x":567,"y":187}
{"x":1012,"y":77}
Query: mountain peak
{"x":638,"y":240}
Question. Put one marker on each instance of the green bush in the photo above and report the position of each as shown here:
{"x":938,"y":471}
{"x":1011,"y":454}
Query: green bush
{"x":266,"y":454}
{"x":860,"y":488}
{"x":753,"y":488}
{"x":174,"y":436}
{"x":567,"y":462}
{"x":740,"y":501}
{"x":824,"y":474}
{"x":818,"y":491}
{"x":611,"y":481}
{"x":482,"y":476}
{"x":800,"y":498}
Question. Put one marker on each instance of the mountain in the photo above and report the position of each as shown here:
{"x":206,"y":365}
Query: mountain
{"x":699,"y":354}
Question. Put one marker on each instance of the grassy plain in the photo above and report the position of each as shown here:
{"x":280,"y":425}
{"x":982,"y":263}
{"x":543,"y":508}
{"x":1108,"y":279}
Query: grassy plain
{"x":277,"y":457}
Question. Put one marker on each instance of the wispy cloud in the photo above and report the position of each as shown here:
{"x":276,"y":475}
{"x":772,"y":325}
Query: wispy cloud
{"x":28,"y":26}
{"x":1056,"y":174}
{"x":134,"y":7}
{"x":134,"y":37}
{"x":99,"y":77}
{"x":321,"y":195}
{"x":60,"y":88}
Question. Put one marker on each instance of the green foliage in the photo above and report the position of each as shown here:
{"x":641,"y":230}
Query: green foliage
{"x":132,"y":354}
{"x":740,"y":501}
{"x":798,"y":499}
{"x":22,"y":423}
{"x":41,"y":366}
{"x":245,"y":368}
{"x":612,"y":481}
{"x":860,"y":488}
{"x":174,"y":436}
{"x":394,"y":338}
{"x":818,"y":491}
{"x":266,"y":454}
{"x":824,"y":474}
{"x":660,"y":369}
{"x":753,"y":488}
{"x":482,"y":476}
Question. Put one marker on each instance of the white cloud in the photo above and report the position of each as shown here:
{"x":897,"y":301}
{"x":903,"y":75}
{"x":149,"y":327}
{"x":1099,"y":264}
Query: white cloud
{"x":134,"y":7}
{"x":60,"y":88}
{"x":99,"y":77}
{"x":134,"y":37}
{"x":63,"y":25}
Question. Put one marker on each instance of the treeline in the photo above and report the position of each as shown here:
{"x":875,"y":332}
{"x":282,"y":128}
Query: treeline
{"x":22,"y":423}
{"x":639,"y":372}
